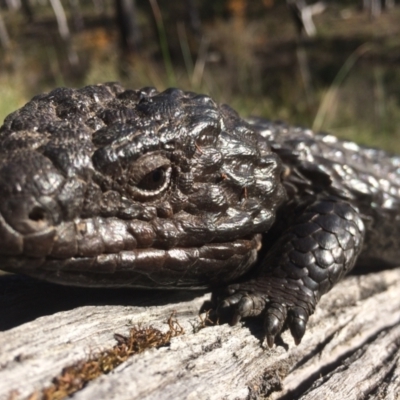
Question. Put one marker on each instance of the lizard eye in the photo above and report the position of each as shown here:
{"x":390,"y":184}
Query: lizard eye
{"x":149,"y":176}
{"x":155,"y":180}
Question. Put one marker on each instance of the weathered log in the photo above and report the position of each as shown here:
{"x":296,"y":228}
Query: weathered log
{"x":350,"y":351}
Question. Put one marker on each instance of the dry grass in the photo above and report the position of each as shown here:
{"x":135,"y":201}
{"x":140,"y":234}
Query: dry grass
{"x":75,"y":377}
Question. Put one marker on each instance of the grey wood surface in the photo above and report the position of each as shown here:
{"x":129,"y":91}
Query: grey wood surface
{"x":350,"y":351}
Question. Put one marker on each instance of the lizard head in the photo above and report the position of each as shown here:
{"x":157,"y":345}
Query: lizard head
{"x":107,"y":186}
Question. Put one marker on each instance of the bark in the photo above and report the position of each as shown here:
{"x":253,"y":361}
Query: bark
{"x":64,"y":31}
{"x":350,"y":351}
{"x":76,"y":14}
{"x":128,"y":26}
{"x":61,"y":19}
{"x":302,"y":15}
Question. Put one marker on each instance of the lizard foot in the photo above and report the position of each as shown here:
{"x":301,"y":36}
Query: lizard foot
{"x":283,"y":303}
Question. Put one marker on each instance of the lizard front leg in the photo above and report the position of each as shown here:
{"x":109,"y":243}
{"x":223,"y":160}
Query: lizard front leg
{"x":312,"y":254}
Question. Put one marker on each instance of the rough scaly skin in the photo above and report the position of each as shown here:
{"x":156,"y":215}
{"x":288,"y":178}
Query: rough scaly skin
{"x":104,"y":186}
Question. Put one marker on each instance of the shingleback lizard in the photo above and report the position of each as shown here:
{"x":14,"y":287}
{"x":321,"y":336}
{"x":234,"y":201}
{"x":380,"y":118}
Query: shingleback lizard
{"x":109,"y":187}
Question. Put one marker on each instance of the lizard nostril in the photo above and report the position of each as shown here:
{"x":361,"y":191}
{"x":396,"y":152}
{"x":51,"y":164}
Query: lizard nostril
{"x":27,"y":215}
{"x":37,"y":214}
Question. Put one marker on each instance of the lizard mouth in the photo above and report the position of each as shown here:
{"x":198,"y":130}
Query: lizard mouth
{"x":113,"y":253}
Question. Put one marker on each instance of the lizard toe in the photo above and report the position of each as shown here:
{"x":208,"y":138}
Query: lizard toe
{"x":274,"y":321}
{"x":297,"y":321}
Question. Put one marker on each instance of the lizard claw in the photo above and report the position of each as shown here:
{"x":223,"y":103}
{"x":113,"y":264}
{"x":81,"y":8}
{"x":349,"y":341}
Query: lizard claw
{"x":297,"y":322}
{"x":281,"y":308}
{"x":273,"y":322}
{"x":272,"y":326}
{"x":239,"y":303}
{"x":236,"y":318}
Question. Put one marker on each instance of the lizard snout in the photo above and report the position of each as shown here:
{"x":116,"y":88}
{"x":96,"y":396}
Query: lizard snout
{"x":29,"y":210}
{"x":27,"y":215}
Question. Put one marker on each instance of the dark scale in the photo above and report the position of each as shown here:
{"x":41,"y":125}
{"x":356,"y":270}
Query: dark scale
{"x":109,"y":187}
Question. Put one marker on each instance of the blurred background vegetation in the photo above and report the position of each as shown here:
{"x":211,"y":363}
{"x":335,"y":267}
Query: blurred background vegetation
{"x":333,"y":66}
